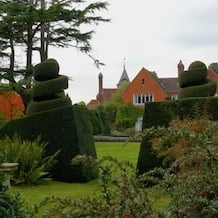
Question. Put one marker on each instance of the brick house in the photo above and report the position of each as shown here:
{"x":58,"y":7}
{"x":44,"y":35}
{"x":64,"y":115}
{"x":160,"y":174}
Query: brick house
{"x":145,"y":87}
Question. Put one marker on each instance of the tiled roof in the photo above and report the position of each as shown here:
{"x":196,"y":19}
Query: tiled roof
{"x":170,"y":85}
{"x":107,"y":94}
{"x":93,"y":103}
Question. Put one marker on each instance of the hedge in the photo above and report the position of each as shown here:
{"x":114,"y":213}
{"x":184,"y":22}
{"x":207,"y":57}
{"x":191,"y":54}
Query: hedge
{"x":204,"y":90}
{"x":67,"y":129}
{"x":46,"y":70}
{"x":161,"y":113}
{"x":50,"y":86}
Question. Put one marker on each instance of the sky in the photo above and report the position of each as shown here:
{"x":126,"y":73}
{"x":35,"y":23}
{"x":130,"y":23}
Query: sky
{"x":153,"y":34}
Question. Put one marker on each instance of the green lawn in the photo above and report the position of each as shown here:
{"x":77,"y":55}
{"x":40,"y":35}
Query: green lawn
{"x":119,"y":150}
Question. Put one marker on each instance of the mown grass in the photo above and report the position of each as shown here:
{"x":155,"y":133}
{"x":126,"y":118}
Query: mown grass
{"x":120,"y":150}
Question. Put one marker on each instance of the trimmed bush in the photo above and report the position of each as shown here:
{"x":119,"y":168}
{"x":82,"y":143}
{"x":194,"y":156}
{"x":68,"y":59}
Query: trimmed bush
{"x":194,"y":82}
{"x":46,"y":70}
{"x":192,"y":78}
{"x":40,"y":106}
{"x":162,"y":113}
{"x":147,"y":159}
{"x":97,"y":125}
{"x":51,"y":86}
{"x":67,"y":129}
{"x":159,"y":113}
{"x":204,"y":90}
{"x":46,"y":91}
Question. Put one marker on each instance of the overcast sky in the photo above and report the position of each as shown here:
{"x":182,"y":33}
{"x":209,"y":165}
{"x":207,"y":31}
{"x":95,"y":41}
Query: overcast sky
{"x":154,"y":34}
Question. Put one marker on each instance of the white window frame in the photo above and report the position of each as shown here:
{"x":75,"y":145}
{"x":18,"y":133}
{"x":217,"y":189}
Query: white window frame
{"x":140,"y":99}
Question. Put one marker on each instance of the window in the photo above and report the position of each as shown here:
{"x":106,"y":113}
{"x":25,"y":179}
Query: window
{"x":142,"y":98}
{"x":173,"y":97}
{"x":143,"y":82}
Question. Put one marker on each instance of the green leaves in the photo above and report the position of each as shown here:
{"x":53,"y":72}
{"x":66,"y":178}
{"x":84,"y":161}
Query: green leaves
{"x":33,"y":165}
{"x":189,"y":149}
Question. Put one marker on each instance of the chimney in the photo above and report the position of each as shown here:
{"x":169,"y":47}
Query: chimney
{"x":100,"y":87}
{"x":180,"y":68}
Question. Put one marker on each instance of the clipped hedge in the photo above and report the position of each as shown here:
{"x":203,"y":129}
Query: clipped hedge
{"x":204,"y":90}
{"x":194,"y":82}
{"x":51,"y":86}
{"x":192,"y":78}
{"x":46,"y":70}
{"x":147,"y":159}
{"x":97,"y":124}
{"x":67,"y":129}
{"x":40,"y":106}
{"x":162,"y":113}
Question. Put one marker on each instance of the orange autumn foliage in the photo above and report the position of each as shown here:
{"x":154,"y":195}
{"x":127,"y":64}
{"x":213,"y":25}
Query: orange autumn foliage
{"x":11,"y":105}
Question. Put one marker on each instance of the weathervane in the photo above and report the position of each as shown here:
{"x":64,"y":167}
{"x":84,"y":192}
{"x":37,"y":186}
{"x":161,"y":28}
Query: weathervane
{"x":124,"y":62}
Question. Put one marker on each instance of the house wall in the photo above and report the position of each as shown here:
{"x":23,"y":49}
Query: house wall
{"x":150,"y":86}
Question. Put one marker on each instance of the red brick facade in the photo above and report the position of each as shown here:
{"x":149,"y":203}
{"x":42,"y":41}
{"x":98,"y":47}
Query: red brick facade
{"x":143,"y":86}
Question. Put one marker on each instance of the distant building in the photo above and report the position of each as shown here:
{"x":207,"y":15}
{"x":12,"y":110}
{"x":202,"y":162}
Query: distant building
{"x":145,"y":87}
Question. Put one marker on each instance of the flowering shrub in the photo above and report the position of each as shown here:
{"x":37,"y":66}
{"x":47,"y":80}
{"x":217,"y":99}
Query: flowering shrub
{"x":189,"y":149}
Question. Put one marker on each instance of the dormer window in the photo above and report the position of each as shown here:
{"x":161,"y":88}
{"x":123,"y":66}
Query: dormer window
{"x":143,"y":82}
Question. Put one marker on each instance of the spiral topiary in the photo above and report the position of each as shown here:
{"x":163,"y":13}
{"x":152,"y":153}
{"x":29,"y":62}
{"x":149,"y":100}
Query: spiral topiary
{"x":194,"y":82}
{"x":47,"y":87}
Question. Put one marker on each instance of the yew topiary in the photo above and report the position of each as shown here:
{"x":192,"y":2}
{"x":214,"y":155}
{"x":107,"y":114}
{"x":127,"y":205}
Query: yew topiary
{"x":194,"y":82}
{"x":47,"y":86}
{"x":48,"y":69}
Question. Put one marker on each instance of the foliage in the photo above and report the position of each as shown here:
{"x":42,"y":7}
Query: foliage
{"x":10,"y":205}
{"x":189,"y":149}
{"x":127,"y":115}
{"x":47,"y":86}
{"x":96,"y":121}
{"x":162,"y":113}
{"x":11,"y":105}
{"x":104,"y":116}
{"x":87,"y":165}
{"x":194,"y":82}
{"x":147,"y":159}
{"x":33,"y":165}
{"x":203,"y":90}
{"x":121,"y":196}
{"x":116,"y":97}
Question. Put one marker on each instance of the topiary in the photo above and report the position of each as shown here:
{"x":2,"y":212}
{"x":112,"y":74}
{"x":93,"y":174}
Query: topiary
{"x":46,"y":70}
{"x":194,"y":82}
{"x":48,"y":85}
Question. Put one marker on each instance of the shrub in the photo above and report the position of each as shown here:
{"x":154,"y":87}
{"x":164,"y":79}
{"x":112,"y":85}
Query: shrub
{"x":33,"y":165}
{"x":195,"y":83}
{"x":189,"y":149}
{"x":46,"y":70}
{"x":162,"y":113}
{"x":121,"y":195}
{"x":127,"y":115}
{"x":97,"y":124}
{"x":196,"y":74}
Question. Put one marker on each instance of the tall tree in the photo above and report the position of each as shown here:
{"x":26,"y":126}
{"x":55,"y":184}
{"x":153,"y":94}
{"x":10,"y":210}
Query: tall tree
{"x":35,"y":26}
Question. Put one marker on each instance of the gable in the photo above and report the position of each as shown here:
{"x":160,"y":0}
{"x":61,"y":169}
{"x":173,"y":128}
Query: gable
{"x":144,"y":83}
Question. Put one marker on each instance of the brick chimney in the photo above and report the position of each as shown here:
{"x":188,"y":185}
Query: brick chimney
{"x":180,"y":68}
